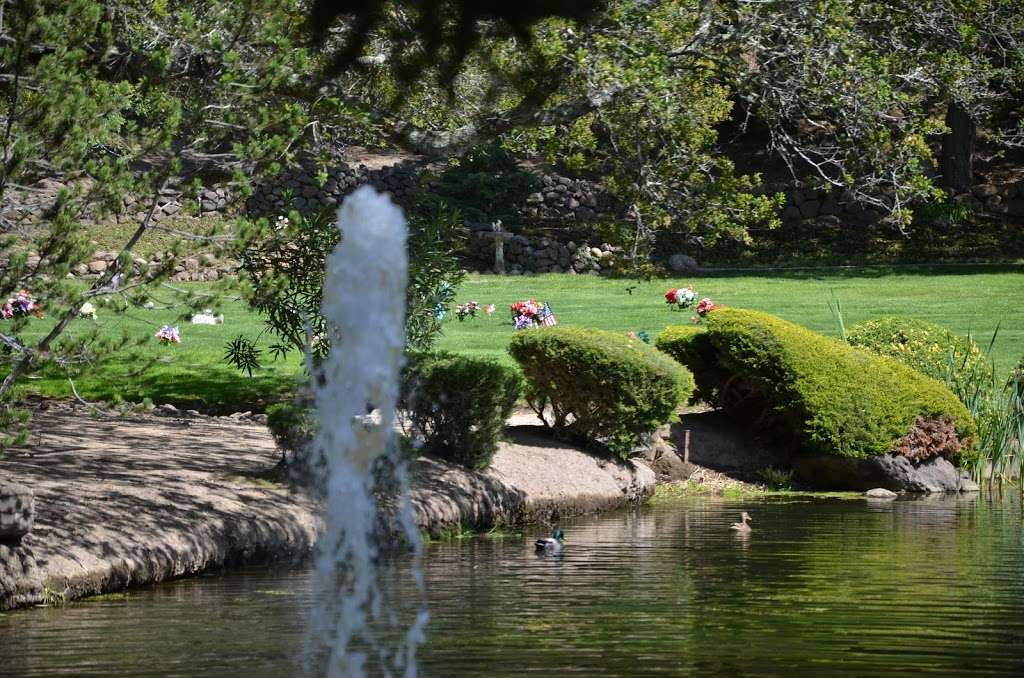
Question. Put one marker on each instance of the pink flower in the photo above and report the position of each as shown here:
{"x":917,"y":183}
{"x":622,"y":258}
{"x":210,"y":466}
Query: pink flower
{"x":168,"y":335}
{"x":705,"y":305}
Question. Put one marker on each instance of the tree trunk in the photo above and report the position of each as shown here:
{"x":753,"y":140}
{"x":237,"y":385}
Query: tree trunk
{"x":958,"y":149}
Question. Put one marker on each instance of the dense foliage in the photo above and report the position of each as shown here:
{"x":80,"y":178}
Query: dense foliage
{"x":283,"y":262}
{"x":691,"y":347}
{"x":486,"y":185}
{"x":929,"y":348}
{"x":458,"y":405}
{"x":599,"y":386}
{"x":819,"y":394}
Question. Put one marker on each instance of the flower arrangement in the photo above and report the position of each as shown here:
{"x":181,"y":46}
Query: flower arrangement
{"x":684,"y":297}
{"x":489,"y":310}
{"x":168,"y":335}
{"x":524,"y":314}
{"x":681,"y":297}
{"x":529,"y":314}
{"x":21,"y":305}
{"x":467,"y":310}
{"x":704,"y":306}
{"x":87,"y":311}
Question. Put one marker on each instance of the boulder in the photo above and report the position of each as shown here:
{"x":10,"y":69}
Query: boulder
{"x":880,"y":493}
{"x":17,"y":511}
{"x":683,"y":263}
{"x":892,"y":472}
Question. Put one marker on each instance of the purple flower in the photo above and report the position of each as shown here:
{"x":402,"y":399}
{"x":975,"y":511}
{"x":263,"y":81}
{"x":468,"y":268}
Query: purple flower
{"x":168,"y":335}
{"x":523,"y":322}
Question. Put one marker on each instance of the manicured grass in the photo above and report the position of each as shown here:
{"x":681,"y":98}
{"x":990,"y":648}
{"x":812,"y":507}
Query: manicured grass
{"x":970,"y":300}
{"x":194,"y":374}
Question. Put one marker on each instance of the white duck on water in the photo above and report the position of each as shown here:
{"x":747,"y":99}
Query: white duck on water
{"x":552,"y":544}
{"x":743,"y":525}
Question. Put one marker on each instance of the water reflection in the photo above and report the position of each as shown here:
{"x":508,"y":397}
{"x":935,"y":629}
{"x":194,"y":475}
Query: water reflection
{"x":817,"y":588}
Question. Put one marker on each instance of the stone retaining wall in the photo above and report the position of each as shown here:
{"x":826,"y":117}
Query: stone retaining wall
{"x":538,"y":254}
{"x":563,"y":208}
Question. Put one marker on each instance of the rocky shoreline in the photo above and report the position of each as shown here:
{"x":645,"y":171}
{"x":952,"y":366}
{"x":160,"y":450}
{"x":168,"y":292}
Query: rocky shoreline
{"x":124,"y":502}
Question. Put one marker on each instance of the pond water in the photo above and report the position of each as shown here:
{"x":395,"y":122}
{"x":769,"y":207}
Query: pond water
{"x":821,"y":587}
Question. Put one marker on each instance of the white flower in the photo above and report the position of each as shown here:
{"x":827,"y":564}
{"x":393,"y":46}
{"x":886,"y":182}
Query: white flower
{"x":87,"y":311}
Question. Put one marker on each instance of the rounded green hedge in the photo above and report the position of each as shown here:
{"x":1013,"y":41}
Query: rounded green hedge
{"x":691,"y":347}
{"x":826,"y":396}
{"x":928,"y":348}
{"x":600,"y":386}
{"x":459,"y":404}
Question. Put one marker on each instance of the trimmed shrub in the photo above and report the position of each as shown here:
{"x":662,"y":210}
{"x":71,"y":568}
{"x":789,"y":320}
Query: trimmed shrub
{"x":600,"y":386}
{"x":691,"y":347}
{"x":822,"y":395}
{"x":459,"y":404}
{"x":930,"y":349}
{"x":293,"y":423}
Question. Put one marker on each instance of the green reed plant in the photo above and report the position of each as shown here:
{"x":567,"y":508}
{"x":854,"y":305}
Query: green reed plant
{"x":997,"y":408}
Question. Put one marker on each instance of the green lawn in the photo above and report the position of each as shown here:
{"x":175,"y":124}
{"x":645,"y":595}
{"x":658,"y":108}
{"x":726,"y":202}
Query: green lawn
{"x":969,"y":301}
{"x":193,"y":373}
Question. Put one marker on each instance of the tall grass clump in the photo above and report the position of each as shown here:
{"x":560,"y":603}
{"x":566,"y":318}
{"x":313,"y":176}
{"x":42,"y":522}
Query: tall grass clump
{"x":1000,"y":417}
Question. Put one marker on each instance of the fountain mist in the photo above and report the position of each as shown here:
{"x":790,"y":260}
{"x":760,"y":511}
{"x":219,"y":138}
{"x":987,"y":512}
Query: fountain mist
{"x":364,"y":304}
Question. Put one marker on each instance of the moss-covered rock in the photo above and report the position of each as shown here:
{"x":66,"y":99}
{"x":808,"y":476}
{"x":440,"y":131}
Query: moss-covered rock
{"x":821,"y":395}
{"x":600,"y":386}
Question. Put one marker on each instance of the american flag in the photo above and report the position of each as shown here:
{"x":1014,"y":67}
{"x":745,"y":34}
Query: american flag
{"x":546,"y":317}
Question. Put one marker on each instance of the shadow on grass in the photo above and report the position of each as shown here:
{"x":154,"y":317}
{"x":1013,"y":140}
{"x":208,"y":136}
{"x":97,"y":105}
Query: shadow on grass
{"x":817,"y":272}
{"x":212,"y":390}
{"x":215,"y":391}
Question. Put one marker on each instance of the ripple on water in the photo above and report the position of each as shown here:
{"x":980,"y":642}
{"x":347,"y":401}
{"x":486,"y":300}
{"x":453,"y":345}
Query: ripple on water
{"x":819,"y":588}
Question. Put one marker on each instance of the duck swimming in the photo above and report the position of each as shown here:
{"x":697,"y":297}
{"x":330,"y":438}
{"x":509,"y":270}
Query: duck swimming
{"x":743,"y":525}
{"x":552,"y":544}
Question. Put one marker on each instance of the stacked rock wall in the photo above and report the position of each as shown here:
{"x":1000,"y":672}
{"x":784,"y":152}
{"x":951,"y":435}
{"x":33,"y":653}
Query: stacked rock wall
{"x":568,"y":200}
{"x":564,"y":209}
{"x":538,"y":254}
{"x":299,"y":188}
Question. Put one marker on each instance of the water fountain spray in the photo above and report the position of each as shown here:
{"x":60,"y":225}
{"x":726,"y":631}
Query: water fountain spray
{"x":364,"y":306}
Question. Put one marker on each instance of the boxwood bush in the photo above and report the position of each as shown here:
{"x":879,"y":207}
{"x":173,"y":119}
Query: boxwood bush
{"x":691,"y":347}
{"x":459,"y":404}
{"x":600,"y":386}
{"x":930,"y":349}
{"x":822,"y":394}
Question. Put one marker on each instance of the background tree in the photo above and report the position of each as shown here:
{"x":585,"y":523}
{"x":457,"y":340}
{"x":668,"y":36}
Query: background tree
{"x":854,"y":92}
{"x":121,"y":98}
